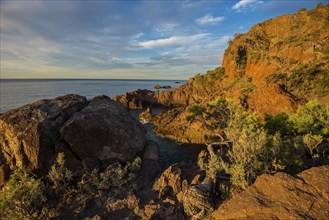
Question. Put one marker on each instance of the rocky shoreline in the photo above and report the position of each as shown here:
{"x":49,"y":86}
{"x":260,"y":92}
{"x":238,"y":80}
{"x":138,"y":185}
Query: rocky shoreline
{"x":75,"y":158}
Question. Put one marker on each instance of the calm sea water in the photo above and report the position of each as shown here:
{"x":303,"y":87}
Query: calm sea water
{"x":15,"y":93}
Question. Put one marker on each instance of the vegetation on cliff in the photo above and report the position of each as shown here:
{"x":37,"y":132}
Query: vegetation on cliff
{"x":249,"y":147}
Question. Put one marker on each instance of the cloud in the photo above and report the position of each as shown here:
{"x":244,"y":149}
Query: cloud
{"x":175,"y":40}
{"x":166,"y":28}
{"x":209,"y":19}
{"x":245,"y":3}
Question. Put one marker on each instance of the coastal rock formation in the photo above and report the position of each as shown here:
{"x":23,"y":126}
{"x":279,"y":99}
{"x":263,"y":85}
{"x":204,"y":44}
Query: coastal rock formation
{"x":88,"y":132}
{"x":147,"y":115}
{"x":105,"y":131}
{"x":281,"y":196}
{"x":137,"y":99}
{"x":173,"y":124}
{"x":157,"y":86}
{"x":28,"y":133}
{"x":277,"y":65}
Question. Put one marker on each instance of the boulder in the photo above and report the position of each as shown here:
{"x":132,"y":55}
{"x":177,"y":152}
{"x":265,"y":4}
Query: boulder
{"x":177,"y":178}
{"x":104,"y":130}
{"x":157,"y":86}
{"x":91,"y":134}
{"x":150,"y":166}
{"x":28,"y":134}
{"x":281,"y":196}
{"x":198,"y":201}
{"x":146,"y":115}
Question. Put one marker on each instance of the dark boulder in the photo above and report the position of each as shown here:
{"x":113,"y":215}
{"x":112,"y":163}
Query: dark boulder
{"x":104,"y":130}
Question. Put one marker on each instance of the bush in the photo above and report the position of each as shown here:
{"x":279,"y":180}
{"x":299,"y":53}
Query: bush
{"x":115,"y":176}
{"x":59,"y":175}
{"x":278,"y":123}
{"x":23,"y":197}
{"x":311,"y":118}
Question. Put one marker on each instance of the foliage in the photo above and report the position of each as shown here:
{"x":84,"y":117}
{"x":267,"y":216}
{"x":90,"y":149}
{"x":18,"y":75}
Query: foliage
{"x":278,"y":123}
{"x":23,"y":197}
{"x":252,"y":151}
{"x":207,"y":79}
{"x":276,"y":78}
{"x":312,"y":142}
{"x":59,"y":175}
{"x":116,"y":176}
{"x":311,"y":118}
{"x":284,"y":142}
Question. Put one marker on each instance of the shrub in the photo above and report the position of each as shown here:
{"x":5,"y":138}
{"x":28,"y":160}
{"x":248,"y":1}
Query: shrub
{"x":59,"y":175}
{"x":312,"y":142}
{"x":23,"y":197}
{"x":278,"y":123}
{"x":311,"y":118}
{"x":116,"y":175}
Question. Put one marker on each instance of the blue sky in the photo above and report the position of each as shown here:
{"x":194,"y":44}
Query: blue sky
{"x":125,"y":39}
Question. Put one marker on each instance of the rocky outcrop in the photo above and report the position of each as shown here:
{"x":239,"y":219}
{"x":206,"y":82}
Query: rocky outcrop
{"x":150,"y":166}
{"x":137,"y":99}
{"x":157,"y":86}
{"x":281,"y":196}
{"x":177,"y":178}
{"x":277,"y":65}
{"x":105,"y":131}
{"x":28,"y":134}
{"x":173,"y":124}
{"x":90,"y":133}
{"x":147,"y":115}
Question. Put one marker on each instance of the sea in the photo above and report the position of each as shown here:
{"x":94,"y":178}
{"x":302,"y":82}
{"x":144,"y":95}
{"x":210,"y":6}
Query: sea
{"x":18,"y":92}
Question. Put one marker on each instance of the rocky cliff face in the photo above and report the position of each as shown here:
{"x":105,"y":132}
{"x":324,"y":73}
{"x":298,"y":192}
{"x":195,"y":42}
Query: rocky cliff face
{"x":93,"y":132}
{"x":277,"y":65}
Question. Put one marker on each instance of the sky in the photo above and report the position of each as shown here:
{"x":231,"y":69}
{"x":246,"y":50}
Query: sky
{"x":125,"y":39}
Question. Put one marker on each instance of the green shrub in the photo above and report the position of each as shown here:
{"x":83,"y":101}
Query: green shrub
{"x":311,"y":118}
{"x":278,"y":123}
{"x":23,"y":197}
{"x":116,"y":176}
{"x":59,"y":175}
{"x":312,"y":142}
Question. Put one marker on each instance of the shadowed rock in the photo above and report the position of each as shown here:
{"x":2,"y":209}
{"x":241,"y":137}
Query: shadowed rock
{"x":28,"y":134}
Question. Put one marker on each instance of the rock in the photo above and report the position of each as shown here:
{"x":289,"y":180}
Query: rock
{"x":106,"y":131}
{"x":137,"y":99}
{"x":147,"y":115}
{"x":173,"y":124}
{"x":28,"y":133}
{"x":157,"y":86}
{"x":198,"y":201}
{"x":150,"y":166}
{"x":281,"y":196}
{"x":90,"y":134}
{"x":176,"y":179}
{"x":166,"y":87}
